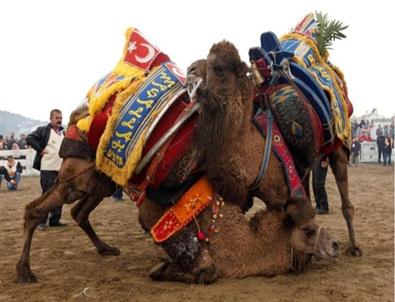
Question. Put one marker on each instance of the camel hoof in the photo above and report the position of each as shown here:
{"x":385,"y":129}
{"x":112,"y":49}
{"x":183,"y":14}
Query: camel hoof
{"x":156,"y":273}
{"x":354,"y":251}
{"x":109,"y":251}
{"x":27,"y":277}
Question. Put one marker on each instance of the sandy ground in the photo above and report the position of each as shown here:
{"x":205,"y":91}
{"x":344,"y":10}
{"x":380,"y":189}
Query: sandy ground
{"x":67,"y":263}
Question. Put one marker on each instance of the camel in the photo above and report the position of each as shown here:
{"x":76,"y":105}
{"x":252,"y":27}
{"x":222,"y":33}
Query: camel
{"x":231,"y":147}
{"x":79,"y":180}
{"x":262,"y":246}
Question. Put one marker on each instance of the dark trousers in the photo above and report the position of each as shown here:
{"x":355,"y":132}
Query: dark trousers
{"x":47,"y":179}
{"x":381,"y":151}
{"x":3,"y":171}
{"x":319,"y":177}
{"x":387,"y":158}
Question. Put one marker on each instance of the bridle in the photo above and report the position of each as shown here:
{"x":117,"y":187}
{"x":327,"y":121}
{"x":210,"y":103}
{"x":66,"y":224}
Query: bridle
{"x":314,"y":249}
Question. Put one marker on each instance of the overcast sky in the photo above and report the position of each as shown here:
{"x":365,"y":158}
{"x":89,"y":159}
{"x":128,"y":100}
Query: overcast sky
{"x":53,"y":51}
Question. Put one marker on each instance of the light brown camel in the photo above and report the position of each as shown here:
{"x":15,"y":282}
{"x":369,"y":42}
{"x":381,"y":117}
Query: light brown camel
{"x":240,"y":248}
{"x":79,"y":180}
{"x":231,"y":147}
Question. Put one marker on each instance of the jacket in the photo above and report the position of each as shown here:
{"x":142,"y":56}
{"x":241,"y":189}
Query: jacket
{"x":38,"y":140}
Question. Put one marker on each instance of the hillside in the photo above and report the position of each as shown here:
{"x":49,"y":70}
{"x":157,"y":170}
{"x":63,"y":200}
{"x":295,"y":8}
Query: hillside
{"x":16,"y":123}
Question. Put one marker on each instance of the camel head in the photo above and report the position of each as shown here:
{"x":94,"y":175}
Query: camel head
{"x":307,"y":236}
{"x":224,"y":78}
{"x":224,"y":92}
{"x":227,"y":82}
{"x":311,"y":238}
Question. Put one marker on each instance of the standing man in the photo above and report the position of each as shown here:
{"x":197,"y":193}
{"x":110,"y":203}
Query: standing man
{"x":380,"y":142}
{"x":46,"y":140}
{"x":320,"y":169}
{"x":355,"y":151}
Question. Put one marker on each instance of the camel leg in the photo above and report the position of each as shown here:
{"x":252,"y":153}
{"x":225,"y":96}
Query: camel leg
{"x":80,"y":213}
{"x":34,"y":212}
{"x":338,"y":161}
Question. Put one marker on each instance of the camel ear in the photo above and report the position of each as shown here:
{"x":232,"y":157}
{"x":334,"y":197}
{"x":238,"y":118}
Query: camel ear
{"x":300,"y":210}
{"x":241,"y":69}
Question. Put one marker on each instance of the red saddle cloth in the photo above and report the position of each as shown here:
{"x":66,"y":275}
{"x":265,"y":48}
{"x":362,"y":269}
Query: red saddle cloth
{"x":170,"y":153}
{"x":282,"y":152}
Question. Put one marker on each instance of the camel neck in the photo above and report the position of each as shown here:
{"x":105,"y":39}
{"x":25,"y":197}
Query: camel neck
{"x":222,"y":127}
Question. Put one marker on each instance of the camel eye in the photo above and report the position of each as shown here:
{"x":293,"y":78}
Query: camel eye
{"x":192,"y":70}
{"x":218,"y":70}
{"x":309,"y":232}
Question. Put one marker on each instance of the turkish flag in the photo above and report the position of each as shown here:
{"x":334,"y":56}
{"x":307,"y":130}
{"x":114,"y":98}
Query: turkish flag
{"x":140,"y":53}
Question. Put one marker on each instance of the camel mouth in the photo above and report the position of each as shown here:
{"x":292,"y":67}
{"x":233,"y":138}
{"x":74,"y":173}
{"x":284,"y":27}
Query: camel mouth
{"x":327,"y":254}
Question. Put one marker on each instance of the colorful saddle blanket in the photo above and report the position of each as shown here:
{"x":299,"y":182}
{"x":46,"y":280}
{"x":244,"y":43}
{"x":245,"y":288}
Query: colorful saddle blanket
{"x":321,"y":83}
{"x":133,"y":106}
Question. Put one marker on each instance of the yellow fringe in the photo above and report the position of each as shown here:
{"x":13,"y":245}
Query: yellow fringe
{"x":106,"y":165}
{"x":343,"y":135}
{"x":97,"y":103}
{"x":341,"y":76}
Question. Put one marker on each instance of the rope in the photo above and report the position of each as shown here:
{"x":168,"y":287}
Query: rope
{"x":75,"y":175}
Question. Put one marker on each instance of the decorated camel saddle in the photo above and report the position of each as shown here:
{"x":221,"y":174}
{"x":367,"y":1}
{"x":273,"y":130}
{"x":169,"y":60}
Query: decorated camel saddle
{"x":139,"y":130}
{"x":140,"y":118}
{"x":293,"y":65}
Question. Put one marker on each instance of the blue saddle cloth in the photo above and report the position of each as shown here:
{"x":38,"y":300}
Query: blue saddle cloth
{"x":273,"y":53}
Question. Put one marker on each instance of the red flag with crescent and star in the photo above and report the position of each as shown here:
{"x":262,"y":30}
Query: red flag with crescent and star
{"x":142,"y":54}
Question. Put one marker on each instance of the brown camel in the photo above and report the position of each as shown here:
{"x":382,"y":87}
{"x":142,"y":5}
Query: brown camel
{"x":234,"y":147}
{"x":239,"y":248}
{"x":79,"y":180}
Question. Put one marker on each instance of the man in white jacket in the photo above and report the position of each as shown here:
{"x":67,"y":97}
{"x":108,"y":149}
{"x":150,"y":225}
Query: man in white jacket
{"x":46,"y":140}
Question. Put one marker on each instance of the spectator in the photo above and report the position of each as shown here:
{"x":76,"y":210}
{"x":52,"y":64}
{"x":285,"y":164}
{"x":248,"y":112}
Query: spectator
{"x":4,"y":172}
{"x":379,"y":131}
{"x":388,"y":144}
{"x":3,"y":146}
{"x":362,"y":124}
{"x":46,"y":140}
{"x":355,"y":151}
{"x":320,"y":169}
{"x":15,"y":146}
{"x":380,"y":146}
{"x":354,"y":130}
{"x":12,"y":173}
{"x":11,"y":141}
{"x":386,"y":131}
{"x":22,"y":141}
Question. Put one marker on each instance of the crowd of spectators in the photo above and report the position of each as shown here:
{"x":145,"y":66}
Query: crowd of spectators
{"x":367,"y":131}
{"x":12,"y":143}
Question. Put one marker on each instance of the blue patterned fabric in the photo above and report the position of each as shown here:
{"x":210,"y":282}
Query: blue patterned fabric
{"x":137,"y":113}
